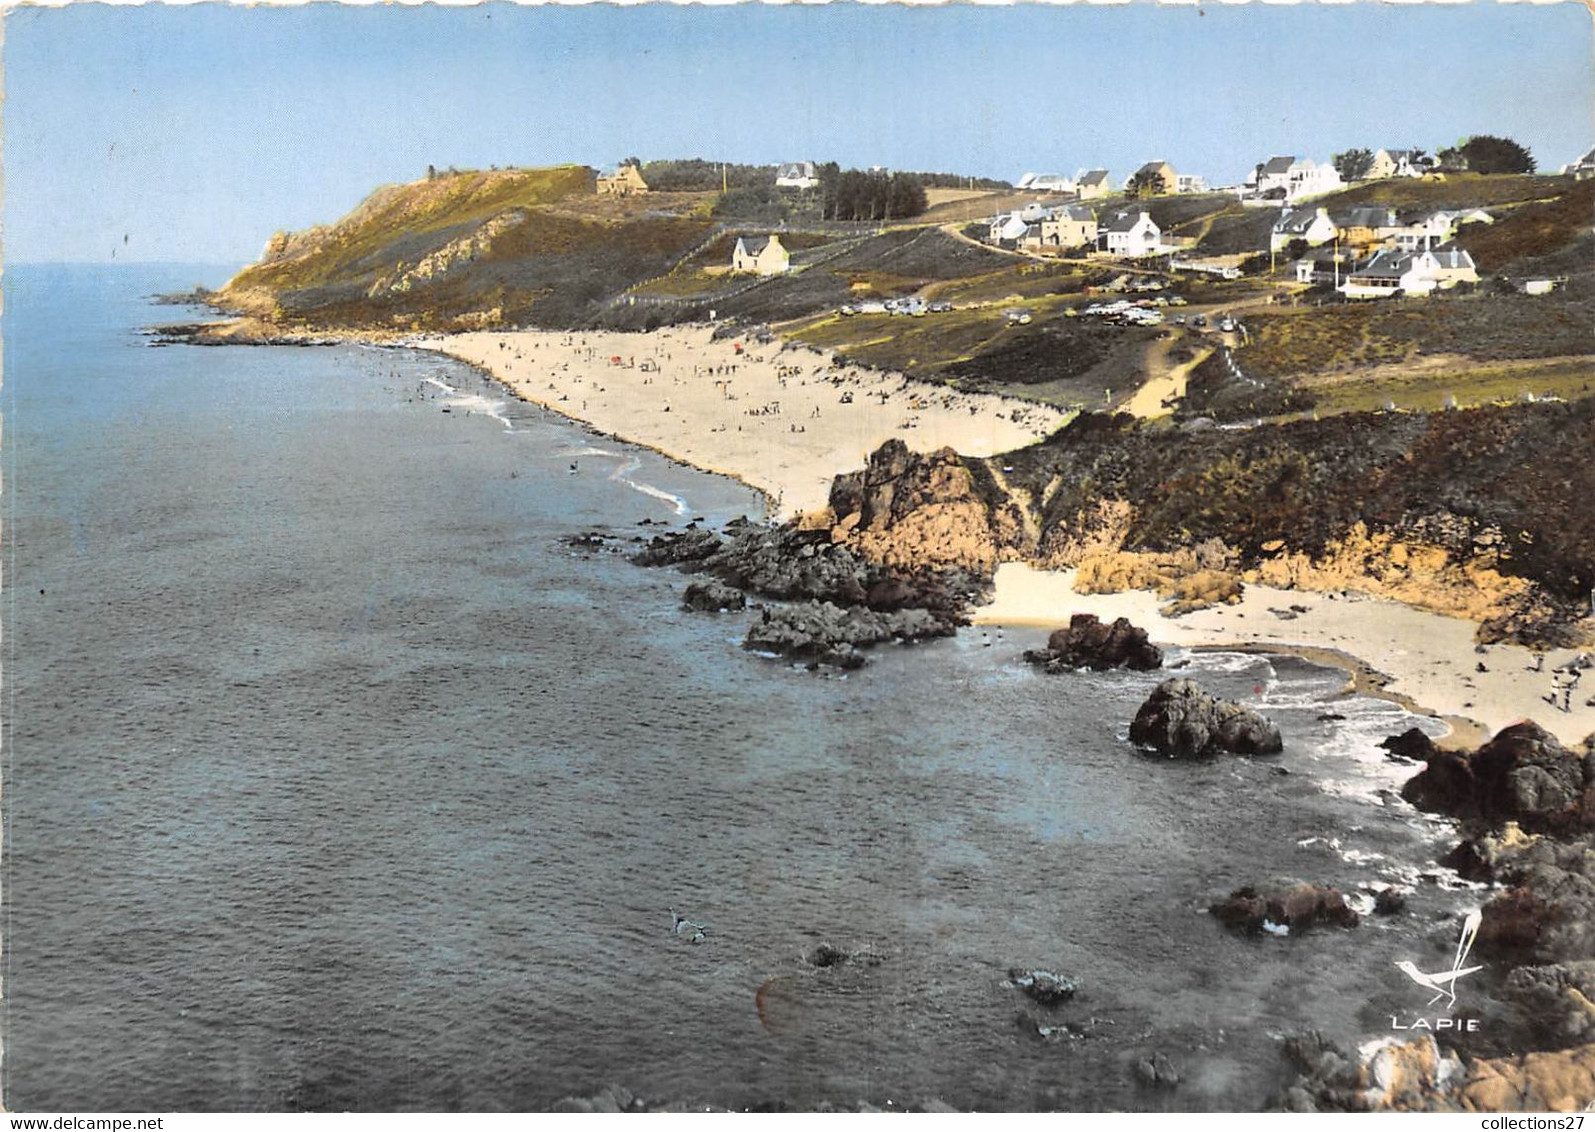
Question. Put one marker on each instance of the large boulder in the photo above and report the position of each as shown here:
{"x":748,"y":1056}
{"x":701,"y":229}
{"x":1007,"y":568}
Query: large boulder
{"x":1524,"y":774}
{"x":1087,"y":643}
{"x":1282,"y":907}
{"x":1182,"y":721}
{"x":713,"y":597}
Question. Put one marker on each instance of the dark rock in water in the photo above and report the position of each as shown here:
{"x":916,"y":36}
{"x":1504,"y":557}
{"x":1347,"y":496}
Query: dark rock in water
{"x":1412,"y":745}
{"x":1157,"y":1071}
{"x":1184,"y":722}
{"x":1284,"y":904}
{"x":831,"y":634}
{"x":827,"y":956}
{"x":1088,"y":643}
{"x":713,"y":597}
{"x":1390,"y":900}
{"x":590,"y":541}
{"x":678,"y":548}
{"x":1330,"y":717}
{"x":1524,"y":774}
{"x":1044,"y":987}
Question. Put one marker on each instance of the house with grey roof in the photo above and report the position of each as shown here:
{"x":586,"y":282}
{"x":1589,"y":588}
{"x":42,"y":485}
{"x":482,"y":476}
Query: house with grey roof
{"x":1582,"y":169}
{"x":1046,"y":183}
{"x":1073,"y":226}
{"x":796,"y":175}
{"x":1400,"y":163}
{"x":760,"y":255}
{"x":1410,"y":273}
{"x":1130,"y":233}
{"x":1291,"y":178}
{"x":1311,"y":225}
{"x":1093,"y":183}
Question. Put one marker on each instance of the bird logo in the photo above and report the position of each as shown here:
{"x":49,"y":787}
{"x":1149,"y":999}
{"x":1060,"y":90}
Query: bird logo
{"x":1444,"y":983}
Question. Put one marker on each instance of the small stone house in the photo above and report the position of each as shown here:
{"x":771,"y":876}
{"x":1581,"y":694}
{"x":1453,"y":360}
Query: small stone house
{"x":760,"y":255}
{"x":1093,"y":184}
{"x":1074,"y":226}
{"x":624,"y":182}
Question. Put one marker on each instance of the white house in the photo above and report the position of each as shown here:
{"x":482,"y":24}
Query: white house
{"x":1047,"y":183}
{"x":1294,"y":178}
{"x":1007,"y":226}
{"x":1310,"y":224}
{"x":1411,"y":273}
{"x":796,"y":175}
{"x":1131,"y":234}
{"x":1189,"y":183}
{"x":1582,"y":169}
{"x":760,"y":255}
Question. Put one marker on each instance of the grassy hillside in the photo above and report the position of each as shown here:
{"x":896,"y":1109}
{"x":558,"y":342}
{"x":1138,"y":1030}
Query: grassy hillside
{"x":468,"y":249}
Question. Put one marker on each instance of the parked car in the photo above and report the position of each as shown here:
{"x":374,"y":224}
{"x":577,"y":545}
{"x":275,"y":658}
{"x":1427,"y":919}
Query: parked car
{"x":1017,"y":315}
{"x":1227,"y":326}
{"x":940,"y":307}
{"x":1199,"y":321}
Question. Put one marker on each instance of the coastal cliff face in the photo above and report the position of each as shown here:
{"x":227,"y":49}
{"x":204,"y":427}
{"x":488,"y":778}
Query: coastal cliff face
{"x":462,"y":251}
{"x":1481,"y":514}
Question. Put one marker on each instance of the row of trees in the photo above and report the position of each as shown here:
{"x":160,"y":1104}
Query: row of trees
{"x":1481,"y":153}
{"x":854,"y":194}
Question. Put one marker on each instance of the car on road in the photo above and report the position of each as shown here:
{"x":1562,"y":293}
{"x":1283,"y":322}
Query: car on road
{"x":1017,"y":316}
{"x":1199,"y":321}
{"x":1227,"y":326}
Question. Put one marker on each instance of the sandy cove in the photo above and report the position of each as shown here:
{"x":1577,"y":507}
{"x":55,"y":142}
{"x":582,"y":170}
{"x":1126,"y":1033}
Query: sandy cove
{"x":1424,"y":660}
{"x":777,"y":417}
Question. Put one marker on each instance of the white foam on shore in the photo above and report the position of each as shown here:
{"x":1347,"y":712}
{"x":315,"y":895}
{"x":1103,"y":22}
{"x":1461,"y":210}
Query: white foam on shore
{"x":443,"y":385}
{"x":487,"y":406}
{"x":622,"y":474}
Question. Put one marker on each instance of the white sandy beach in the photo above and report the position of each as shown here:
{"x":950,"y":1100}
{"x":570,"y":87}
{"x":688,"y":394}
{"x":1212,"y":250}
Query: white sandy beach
{"x":780,"y":419}
{"x":1431,"y":658}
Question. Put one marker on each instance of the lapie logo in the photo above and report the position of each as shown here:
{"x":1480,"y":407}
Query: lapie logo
{"x":1444,"y":983}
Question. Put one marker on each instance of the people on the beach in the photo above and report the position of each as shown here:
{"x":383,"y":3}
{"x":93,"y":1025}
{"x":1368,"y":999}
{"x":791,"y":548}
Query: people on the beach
{"x":1563,"y":681}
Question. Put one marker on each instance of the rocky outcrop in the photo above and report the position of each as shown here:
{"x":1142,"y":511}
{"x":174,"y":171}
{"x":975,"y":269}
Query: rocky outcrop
{"x":1183,"y":722}
{"x":1523,"y":774}
{"x":1087,"y":643}
{"x":1284,"y":907}
{"x":713,"y":597}
{"x":1189,"y":580}
{"x":911,"y":510}
{"x":1044,"y":987}
{"x":1418,"y":1076}
{"x":1554,"y":1005}
{"x":679,"y":548}
{"x":823,"y":633}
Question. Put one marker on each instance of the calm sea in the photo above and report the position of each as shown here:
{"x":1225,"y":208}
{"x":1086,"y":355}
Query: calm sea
{"x":335,"y":780}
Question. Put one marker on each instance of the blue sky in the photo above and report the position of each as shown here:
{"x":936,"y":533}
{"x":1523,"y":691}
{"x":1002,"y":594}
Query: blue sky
{"x":192,"y":133}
